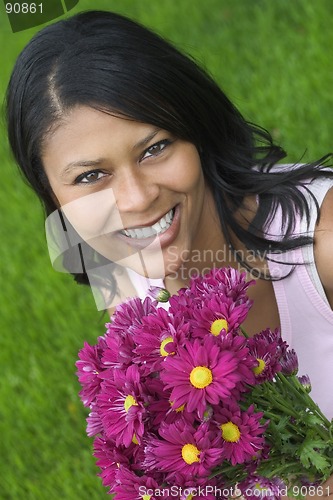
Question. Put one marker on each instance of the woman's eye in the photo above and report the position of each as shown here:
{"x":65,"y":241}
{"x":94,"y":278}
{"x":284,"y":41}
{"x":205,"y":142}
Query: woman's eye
{"x":89,"y":177}
{"x":155,"y":149}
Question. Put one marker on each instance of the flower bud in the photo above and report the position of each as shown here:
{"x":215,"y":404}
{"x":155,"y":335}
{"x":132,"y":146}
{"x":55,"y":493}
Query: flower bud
{"x":159,"y":294}
{"x":305,"y":382}
{"x":289,"y":363}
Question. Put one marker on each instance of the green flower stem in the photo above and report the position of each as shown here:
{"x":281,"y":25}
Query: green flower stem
{"x":273,"y":416}
{"x":315,"y":408}
{"x":285,"y":410}
{"x":284,"y":469}
{"x":330,"y":430}
{"x":244,"y":332}
{"x":274,"y":399}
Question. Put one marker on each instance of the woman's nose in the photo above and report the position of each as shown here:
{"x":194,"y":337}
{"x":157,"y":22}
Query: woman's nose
{"x":135,"y":192}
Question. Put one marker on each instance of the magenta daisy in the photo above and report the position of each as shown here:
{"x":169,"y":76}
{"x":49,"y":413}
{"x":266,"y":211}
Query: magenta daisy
{"x":241,"y":431}
{"x":129,"y":314}
{"x":89,"y":368}
{"x":161,"y":408}
{"x":130,"y":486}
{"x":158,"y":337}
{"x":119,"y":338}
{"x":274,"y":336}
{"x":223,"y":282}
{"x":182,"y":303}
{"x":121,"y":408}
{"x":109,"y":459}
{"x":204,"y":372}
{"x":267,"y":350}
{"x":218,"y":315}
{"x":118,"y":354}
{"x":184,"y":449}
{"x":257,"y":488}
{"x":94,"y":422}
{"x":201,"y":488}
{"x":197,"y":492}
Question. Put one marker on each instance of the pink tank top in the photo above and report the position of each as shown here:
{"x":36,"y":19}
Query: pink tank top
{"x":305,"y":314}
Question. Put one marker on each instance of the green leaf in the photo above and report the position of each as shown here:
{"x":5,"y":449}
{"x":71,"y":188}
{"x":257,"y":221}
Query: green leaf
{"x":320,"y":462}
{"x":309,"y":454}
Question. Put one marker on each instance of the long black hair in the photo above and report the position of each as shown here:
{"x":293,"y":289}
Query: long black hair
{"x":113,"y":64}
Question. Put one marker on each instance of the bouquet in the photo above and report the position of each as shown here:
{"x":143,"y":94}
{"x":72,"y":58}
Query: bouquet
{"x":183,"y":405}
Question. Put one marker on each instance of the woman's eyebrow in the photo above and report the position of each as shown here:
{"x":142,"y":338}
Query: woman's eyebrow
{"x":82,"y":163}
{"x":146,"y":139}
{"x":99,"y":161}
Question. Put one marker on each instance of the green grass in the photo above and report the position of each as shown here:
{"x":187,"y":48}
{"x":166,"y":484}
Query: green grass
{"x":273,"y":58}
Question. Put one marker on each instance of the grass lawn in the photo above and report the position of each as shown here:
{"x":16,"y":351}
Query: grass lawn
{"x":274,"y":59}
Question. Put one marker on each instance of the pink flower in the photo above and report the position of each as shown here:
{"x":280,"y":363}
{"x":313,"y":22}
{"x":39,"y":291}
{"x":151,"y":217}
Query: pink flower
{"x":89,"y":369}
{"x":258,"y":488}
{"x":118,"y":352}
{"x":119,"y":338}
{"x":305,"y":381}
{"x":221,"y":291}
{"x":241,"y":431}
{"x":129,"y":486}
{"x":95,"y":425}
{"x":225,"y":281}
{"x":289,"y":362}
{"x":109,"y":458}
{"x":274,"y":336}
{"x":201,"y":488}
{"x":183,"y":449}
{"x":129,"y":314}
{"x":158,"y":337}
{"x":267,"y":348}
{"x":121,"y":407}
{"x":161,"y":408}
{"x":207,"y":372}
{"x":218,"y":315}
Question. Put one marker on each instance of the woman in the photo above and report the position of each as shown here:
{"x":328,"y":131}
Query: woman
{"x":157,"y":173}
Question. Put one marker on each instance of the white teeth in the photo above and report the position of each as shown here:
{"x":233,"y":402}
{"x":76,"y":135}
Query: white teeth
{"x":145,"y":232}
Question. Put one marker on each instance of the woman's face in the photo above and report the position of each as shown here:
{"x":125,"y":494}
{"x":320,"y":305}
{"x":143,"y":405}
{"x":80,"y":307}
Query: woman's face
{"x":134,"y":192}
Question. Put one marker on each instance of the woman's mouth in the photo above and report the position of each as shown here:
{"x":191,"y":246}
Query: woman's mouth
{"x":160,"y":234}
{"x":158,"y":228}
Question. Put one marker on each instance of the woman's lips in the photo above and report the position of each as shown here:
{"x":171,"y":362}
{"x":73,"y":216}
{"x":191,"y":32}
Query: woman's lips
{"x":162,"y":240}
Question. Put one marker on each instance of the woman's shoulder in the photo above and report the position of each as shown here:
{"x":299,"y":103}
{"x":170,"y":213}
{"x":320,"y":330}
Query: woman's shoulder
{"x":323,"y":245}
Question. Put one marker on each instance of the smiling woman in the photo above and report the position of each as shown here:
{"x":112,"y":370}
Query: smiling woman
{"x":154,"y":183}
{"x":146,"y":165}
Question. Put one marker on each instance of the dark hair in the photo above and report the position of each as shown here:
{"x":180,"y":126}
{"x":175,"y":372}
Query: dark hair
{"x":113,"y":64}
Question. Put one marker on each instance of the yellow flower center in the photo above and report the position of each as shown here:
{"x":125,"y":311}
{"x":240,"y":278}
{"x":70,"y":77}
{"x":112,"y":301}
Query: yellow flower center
{"x":166,"y":341}
{"x":129,"y":401}
{"x":190,"y":454}
{"x":200,"y":377}
{"x":181,"y":408}
{"x":230,"y":432}
{"x":189,"y":497}
{"x":257,"y":370}
{"x":146,"y":497}
{"x":134,"y":439}
{"x":260,"y":488}
{"x":217,"y":326}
